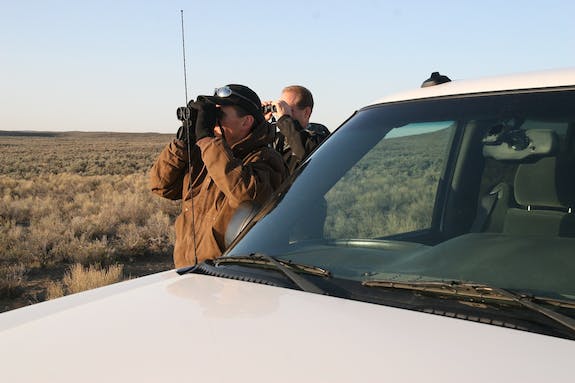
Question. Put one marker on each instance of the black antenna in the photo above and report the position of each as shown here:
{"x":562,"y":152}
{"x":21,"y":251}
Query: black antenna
{"x":184,"y":56}
{"x":188,"y":126}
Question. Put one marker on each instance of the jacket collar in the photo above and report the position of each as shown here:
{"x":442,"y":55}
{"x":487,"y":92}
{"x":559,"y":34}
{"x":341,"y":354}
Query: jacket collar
{"x":261,"y":135}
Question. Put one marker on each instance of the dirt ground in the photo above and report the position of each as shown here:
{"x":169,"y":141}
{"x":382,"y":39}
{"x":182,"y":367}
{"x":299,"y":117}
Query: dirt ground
{"x":33,"y":290}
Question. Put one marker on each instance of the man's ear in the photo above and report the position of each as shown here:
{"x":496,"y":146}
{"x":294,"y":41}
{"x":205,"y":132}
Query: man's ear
{"x":249,"y":121}
{"x":307,"y":112}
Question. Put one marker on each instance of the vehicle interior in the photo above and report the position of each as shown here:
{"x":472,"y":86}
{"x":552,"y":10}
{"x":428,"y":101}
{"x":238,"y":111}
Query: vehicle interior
{"x":526,"y":188}
{"x":519,"y":230}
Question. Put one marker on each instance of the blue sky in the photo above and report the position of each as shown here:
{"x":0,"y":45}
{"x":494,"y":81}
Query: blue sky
{"x":117,"y":65}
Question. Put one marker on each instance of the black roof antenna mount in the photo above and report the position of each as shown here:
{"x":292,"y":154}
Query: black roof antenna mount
{"x":435,"y":79}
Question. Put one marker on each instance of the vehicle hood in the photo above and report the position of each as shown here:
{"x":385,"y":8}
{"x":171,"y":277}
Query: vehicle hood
{"x":167,"y":327}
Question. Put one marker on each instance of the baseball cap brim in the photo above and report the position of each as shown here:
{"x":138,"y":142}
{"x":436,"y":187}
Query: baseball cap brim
{"x":222,"y":101}
{"x":233,"y":100}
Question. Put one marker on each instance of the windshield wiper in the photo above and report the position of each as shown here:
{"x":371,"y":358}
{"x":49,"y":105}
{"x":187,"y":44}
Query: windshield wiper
{"x":285,"y":267}
{"x":480,"y":291}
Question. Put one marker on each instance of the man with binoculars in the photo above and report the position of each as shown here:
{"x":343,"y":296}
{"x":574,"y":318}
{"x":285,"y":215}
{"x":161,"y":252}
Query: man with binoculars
{"x":297,"y":137}
{"x":222,"y":156}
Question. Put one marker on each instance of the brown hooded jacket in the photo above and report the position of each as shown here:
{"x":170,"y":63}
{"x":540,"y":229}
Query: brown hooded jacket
{"x":223,"y":177}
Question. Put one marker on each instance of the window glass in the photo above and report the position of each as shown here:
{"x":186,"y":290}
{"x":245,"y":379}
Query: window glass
{"x":430,"y":189}
{"x":392,"y":188}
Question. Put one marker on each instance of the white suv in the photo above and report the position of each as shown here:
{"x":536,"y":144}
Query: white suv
{"x":430,"y":238}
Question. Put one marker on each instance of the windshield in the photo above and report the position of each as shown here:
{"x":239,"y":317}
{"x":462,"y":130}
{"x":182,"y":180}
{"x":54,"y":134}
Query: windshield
{"x":468,"y":189}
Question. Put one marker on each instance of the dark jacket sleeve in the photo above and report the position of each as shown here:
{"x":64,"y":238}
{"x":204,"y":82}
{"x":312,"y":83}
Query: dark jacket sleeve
{"x":301,"y":141}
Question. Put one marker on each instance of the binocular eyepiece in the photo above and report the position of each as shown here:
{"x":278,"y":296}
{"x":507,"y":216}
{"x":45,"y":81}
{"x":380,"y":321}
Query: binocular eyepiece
{"x":186,"y":114}
{"x":183,"y":113}
{"x":269,"y":108}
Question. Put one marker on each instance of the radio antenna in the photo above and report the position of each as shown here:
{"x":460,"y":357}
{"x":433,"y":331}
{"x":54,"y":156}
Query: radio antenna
{"x":188,"y":125}
{"x":184,"y":56}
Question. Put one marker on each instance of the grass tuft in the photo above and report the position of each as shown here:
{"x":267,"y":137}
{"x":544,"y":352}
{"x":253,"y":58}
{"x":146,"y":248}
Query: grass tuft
{"x":79,"y":278}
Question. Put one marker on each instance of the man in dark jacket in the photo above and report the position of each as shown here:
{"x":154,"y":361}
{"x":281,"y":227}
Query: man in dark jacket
{"x":224,"y":160}
{"x":297,"y":137}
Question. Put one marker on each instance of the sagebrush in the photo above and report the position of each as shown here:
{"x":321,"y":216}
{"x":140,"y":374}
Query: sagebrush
{"x":77,"y":198}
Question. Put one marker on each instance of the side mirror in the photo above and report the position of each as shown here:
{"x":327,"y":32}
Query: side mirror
{"x":242,"y":216}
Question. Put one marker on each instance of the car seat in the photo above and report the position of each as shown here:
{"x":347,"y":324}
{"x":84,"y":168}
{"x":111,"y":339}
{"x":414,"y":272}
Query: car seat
{"x":492,"y":209}
{"x":545,"y":193}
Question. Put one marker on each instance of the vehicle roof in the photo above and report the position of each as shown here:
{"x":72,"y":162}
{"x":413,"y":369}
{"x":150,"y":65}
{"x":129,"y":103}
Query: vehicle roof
{"x":530,"y":80}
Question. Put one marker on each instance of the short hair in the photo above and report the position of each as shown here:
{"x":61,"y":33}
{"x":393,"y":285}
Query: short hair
{"x":241,"y":112}
{"x":303,"y":96}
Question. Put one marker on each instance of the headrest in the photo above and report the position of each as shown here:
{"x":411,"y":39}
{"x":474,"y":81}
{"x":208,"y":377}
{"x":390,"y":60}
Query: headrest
{"x":545,"y":183}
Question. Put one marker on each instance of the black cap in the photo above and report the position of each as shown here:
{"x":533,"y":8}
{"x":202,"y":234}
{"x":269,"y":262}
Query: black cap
{"x":435,"y":79}
{"x":239,"y":95}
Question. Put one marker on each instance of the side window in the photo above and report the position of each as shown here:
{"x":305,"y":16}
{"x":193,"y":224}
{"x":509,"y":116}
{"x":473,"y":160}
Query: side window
{"x":392,"y":189}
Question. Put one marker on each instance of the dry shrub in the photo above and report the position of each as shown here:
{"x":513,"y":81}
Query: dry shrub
{"x":160,"y":232}
{"x":131,"y":237}
{"x":128,"y":208}
{"x":54,"y":290}
{"x":11,"y":279}
{"x":86,"y":219}
{"x":44,"y":235}
{"x":79,"y":198}
{"x":15,"y":209}
{"x":78,"y":278}
{"x":83,"y":250}
{"x":156,"y":235}
{"x":12,"y":236}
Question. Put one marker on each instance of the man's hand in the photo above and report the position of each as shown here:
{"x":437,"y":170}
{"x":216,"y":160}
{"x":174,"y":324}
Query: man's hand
{"x":282,"y":109}
{"x":187,"y":130}
{"x":207,"y":117}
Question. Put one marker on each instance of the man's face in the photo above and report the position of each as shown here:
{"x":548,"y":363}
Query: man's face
{"x":233,"y":127}
{"x":301,"y":115}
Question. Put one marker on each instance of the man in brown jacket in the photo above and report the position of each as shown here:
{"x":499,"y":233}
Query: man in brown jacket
{"x":231,"y":160}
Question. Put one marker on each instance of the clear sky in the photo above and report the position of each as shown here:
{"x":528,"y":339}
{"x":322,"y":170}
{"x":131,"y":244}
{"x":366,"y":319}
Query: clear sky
{"x":114,"y":65}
